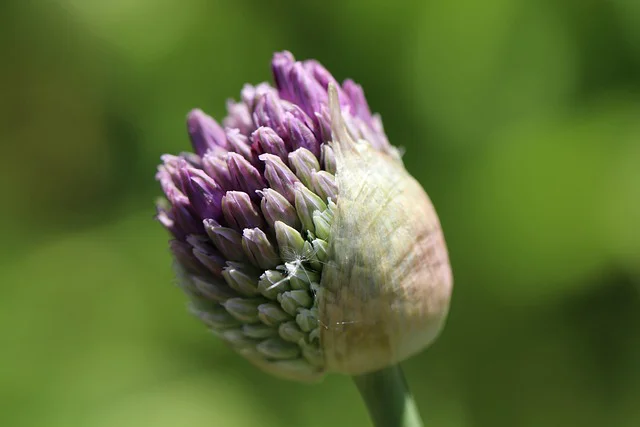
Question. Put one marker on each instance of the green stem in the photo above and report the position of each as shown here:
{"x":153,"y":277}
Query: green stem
{"x":388,"y":399}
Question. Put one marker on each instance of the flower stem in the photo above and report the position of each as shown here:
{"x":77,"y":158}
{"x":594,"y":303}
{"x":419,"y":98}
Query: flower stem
{"x":388,"y":398}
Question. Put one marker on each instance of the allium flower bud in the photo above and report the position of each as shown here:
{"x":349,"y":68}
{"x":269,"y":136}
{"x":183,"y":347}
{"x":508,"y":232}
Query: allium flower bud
{"x":298,"y":236}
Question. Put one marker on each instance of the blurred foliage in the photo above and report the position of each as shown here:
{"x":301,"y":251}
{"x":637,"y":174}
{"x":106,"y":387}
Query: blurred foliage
{"x":521,"y":119}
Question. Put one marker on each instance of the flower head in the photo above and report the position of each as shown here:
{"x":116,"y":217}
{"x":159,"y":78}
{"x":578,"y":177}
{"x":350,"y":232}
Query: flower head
{"x":298,"y":236}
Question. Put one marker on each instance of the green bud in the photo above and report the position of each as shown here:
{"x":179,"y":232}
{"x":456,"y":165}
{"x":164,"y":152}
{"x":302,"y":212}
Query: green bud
{"x":291,"y":332}
{"x":259,"y":249}
{"x":236,"y":338}
{"x":213,"y":289}
{"x":245,"y":310}
{"x":320,"y":249}
{"x":241,"y":279}
{"x":217,"y":318}
{"x":307,"y":319}
{"x":291,"y":301}
{"x":307,"y":203}
{"x":271,"y":314}
{"x":304,"y":163}
{"x":290,"y":242}
{"x":259,"y":331}
{"x":272,"y":283}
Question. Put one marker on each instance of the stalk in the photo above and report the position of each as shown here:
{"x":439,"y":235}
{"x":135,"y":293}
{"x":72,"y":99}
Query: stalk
{"x":388,"y":399}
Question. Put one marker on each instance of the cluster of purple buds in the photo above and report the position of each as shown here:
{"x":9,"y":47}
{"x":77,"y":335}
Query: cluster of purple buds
{"x":251,"y":212}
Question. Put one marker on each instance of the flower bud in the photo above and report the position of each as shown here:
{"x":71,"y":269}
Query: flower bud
{"x":298,"y":235}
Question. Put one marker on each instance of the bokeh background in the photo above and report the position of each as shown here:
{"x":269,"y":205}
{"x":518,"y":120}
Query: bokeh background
{"x":521,"y":119}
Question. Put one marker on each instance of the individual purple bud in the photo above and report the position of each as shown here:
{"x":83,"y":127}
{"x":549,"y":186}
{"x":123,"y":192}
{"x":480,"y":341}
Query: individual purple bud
{"x":357,"y":100}
{"x":275,"y":207}
{"x":269,"y":113}
{"x":325,"y":78}
{"x":203,"y":192}
{"x":308,"y":93}
{"x":168,"y":175}
{"x":301,"y":136}
{"x":259,"y":249}
{"x":204,"y":132}
{"x":245,"y":175}
{"x":227,"y":240}
{"x":240,"y":212}
{"x":281,"y":68}
{"x":320,"y":73}
{"x":304,"y":162}
{"x":239,"y":117}
{"x":181,"y":212}
{"x":215,"y":165}
{"x":295,"y":111}
{"x":206,"y":254}
{"x":306,"y":204}
{"x":183,"y":253}
{"x":267,"y":141}
{"x":165,"y":216}
{"x":324,"y":185}
{"x":251,"y":94}
{"x":279,"y":176}
{"x":240,"y":144}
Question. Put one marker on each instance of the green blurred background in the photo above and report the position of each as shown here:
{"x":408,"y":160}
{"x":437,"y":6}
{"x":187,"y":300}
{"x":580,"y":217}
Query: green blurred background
{"x":521,"y":119}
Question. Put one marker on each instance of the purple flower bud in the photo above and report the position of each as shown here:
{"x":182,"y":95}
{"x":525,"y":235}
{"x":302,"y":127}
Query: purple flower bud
{"x":251,"y":94}
{"x":275,"y":207}
{"x":297,"y":217}
{"x":203,"y":192}
{"x":227,"y":240}
{"x":215,"y":165}
{"x":259,"y":249}
{"x":205,"y":132}
{"x":281,"y":67}
{"x":279,"y":176}
{"x":183,"y":253}
{"x":306,"y":90}
{"x":301,"y":136}
{"x":240,"y":212}
{"x":269,"y":113}
{"x":239,"y":143}
{"x":245,"y":175}
{"x":206,"y":254}
{"x":267,"y":141}
{"x":239,"y":117}
{"x":359,"y":106}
